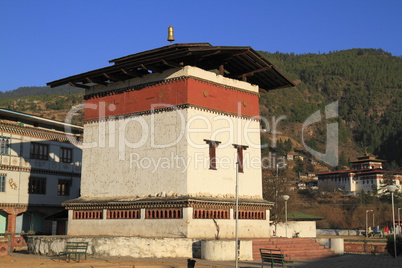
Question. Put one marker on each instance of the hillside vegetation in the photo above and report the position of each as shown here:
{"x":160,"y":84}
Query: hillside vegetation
{"x":44,"y":101}
{"x":366,"y":82}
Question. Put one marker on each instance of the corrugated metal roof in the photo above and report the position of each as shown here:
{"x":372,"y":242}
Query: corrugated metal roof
{"x":302,"y":216}
{"x":38,"y":121}
{"x":242,"y":63}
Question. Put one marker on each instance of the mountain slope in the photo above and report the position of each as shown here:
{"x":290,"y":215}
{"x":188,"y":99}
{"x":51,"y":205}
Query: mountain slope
{"x":366,"y":82}
{"x":37,"y":91}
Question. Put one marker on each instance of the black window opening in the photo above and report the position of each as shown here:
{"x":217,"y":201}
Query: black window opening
{"x":63,"y":188}
{"x":4,"y":146}
{"x":212,"y":153}
{"x":37,"y":185}
{"x":240,"y":164}
{"x":39,"y":151}
{"x":3,"y":182}
{"x":66,"y":155}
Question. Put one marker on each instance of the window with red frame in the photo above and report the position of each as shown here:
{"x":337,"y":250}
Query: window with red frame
{"x":240,"y":149}
{"x":212,"y":153}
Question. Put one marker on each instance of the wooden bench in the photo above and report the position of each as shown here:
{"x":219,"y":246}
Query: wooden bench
{"x":273,"y":256}
{"x":75,"y":249}
{"x":372,"y":234}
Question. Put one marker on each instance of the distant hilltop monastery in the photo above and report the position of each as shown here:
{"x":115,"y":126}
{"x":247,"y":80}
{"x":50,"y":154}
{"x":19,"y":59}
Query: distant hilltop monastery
{"x":367,"y":174}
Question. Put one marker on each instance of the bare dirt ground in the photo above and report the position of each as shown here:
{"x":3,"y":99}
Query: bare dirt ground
{"x":23,"y":260}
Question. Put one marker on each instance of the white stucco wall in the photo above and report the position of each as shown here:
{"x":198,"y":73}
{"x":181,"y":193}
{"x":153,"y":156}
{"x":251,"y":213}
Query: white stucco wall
{"x":227,"y":130}
{"x":138,"y":247}
{"x":116,"y":246}
{"x":132,"y":157}
{"x":304,"y":228}
{"x":165,"y":153}
{"x":225,"y":250}
{"x":16,"y":188}
{"x":184,"y":228}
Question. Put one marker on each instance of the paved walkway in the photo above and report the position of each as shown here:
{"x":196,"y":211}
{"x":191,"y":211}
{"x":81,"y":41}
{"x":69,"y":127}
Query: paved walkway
{"x":355,"y":261}
{"x":345,"y":261}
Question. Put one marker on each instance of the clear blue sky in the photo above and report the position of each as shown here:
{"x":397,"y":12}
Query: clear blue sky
{"x":45,"y":40}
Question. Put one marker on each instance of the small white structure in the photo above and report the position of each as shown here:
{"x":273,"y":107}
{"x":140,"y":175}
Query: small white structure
{"x":298,"y":225}
{"x":224,"y":250}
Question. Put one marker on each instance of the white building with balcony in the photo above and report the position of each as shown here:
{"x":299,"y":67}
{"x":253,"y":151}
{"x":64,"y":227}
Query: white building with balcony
{"x":40,"y":167}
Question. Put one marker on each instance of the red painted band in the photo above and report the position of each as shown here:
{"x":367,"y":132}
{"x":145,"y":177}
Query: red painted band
{"x":173,"y":93}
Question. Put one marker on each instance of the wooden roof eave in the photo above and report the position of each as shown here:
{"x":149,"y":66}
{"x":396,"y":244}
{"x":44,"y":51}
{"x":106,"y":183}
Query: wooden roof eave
{"x":81,"y":78}
{"x":158,"y":50}
{"x":235,"y":62}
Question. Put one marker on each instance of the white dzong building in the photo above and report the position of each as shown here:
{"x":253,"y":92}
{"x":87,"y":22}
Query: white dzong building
{"x":367,"y":174}
{"x":163,"y":132}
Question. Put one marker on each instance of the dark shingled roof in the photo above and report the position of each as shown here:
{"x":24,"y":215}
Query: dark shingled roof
{"x":299,"y":216}
{"x":242,"y":63}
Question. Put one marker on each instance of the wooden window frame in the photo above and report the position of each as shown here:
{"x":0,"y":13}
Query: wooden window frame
{"x":66,"y":155}
{"x":37,"y":185}
{"x":3,"y":183}
{"x":251,"y":215}
{"x":4,"y":146}
{"x":166,"y":213}
{"x":240,"y":149}
{"x":212,"y":153}
{"x":63,"y":187}
{"x":199,"y":213}
{"x":39,"y":151}
{"x":123,"y":214}
{"x":87,"y":214}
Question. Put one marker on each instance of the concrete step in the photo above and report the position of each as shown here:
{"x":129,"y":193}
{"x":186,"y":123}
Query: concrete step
{"x":292,"y":252}
{"x":292,"y":248}
{"x":309,"y":257}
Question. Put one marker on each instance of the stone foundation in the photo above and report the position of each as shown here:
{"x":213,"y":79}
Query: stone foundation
{"x":139,"y":247}
{"x":136,"y":247}
{"x":4,"y":246}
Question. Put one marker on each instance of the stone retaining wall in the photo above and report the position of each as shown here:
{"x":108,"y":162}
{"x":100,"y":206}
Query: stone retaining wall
{"x":339,"y":232}
{"x":136,"y":247}
{"x":141,"y":247}
{"x":367,"y":247}
{"x":4,"y":245}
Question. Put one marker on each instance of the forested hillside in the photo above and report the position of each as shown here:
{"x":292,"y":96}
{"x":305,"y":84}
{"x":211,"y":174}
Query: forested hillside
{"x":366,"y":82}
{"x":52,"y":103}
{"x":38,"y":91}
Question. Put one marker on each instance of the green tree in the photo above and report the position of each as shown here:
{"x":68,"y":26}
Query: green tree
{"x":299,"y":167}
{"x":287,"y":146}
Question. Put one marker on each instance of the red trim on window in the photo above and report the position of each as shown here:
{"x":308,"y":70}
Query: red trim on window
{"x":240,"y":163}
{"x":211,"y":214}
{"x":212,"y":153}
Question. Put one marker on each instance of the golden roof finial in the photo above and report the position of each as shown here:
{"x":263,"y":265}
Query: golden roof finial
{"x":170,"y":34}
